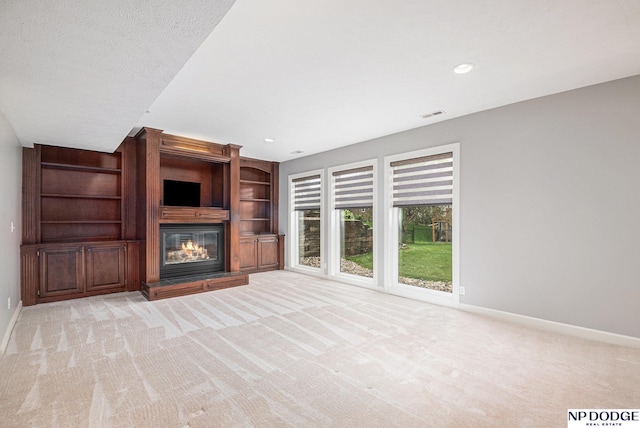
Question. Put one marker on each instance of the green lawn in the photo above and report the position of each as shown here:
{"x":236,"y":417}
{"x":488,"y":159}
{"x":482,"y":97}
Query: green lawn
{"x":423,"y":260}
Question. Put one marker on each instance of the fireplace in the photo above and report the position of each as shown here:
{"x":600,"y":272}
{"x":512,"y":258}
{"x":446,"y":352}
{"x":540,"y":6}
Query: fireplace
{"x":191,"y":249}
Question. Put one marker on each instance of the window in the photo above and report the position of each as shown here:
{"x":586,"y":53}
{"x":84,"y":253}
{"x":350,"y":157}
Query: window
{"x":305,"y":192}
{"x":423,"y":232}
{"x":352,"y":202}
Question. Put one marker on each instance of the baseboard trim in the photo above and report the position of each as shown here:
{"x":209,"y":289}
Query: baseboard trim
{"x":568,"y":329}
{"x":12,"y":323}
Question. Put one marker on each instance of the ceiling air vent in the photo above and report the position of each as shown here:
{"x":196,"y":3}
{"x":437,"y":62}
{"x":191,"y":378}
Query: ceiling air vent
{"x":432,"y":114}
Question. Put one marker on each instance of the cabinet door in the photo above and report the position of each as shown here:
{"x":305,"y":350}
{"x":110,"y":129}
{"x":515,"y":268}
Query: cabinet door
{"x":248,"y":253}
{"x":61,"y":271}
{"x":105,"y":266}
{"x":268,"y":252}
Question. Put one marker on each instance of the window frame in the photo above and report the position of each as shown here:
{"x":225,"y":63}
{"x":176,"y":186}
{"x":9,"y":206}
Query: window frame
{"x":294,"y":236}
{"x":333,"y":258}
{"x":391,"y":284}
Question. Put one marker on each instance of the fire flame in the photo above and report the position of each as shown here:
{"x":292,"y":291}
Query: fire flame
{"x":190,"y":247}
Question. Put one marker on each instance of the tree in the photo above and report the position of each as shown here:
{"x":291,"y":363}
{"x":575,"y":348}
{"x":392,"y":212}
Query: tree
{"x":424,"y":215}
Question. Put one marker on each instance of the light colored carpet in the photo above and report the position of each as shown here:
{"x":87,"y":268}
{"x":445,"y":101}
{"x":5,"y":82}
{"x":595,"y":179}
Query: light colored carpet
{"x":291,"y":350}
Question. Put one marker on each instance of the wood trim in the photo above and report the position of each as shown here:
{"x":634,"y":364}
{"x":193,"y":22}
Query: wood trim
{"x":157,"y":291}
{"x":275,"y":195}
{"x":234,"y":209}
{"x":260,"y":164}
{"x":152,"y":200}
{"x":188,"y":147}
{"x":281,"y":252}
{"x":128,"y":182}
{"x":28,"y":274}
{"x":192,"y":215}
{"x":132,"y":266}
{"x":30,"y":199}
{"x":141,"y":201}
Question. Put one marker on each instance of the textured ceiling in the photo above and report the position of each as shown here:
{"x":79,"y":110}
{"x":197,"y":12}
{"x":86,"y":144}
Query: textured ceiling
{"x":313,"y":75}
{"x":80,"y":74}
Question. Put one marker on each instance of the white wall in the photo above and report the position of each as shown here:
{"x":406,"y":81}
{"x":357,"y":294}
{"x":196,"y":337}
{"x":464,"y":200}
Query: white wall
{"x":10,"y":211}
{"x":550,"y":206}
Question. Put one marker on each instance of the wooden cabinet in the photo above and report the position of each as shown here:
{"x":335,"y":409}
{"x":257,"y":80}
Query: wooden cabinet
{"x":78,"y":220}
{"x":261,"y":253}
{"x":268,"y":253}
{"x":65,"y":271}
{"x":260,"y":246}
{"x":248,"y":253}
{"x":105,"y":266}
{"x":61,"y":271}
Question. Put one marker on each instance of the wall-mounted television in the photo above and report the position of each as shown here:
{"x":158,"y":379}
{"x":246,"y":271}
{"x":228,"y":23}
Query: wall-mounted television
{"x":181,"y":193}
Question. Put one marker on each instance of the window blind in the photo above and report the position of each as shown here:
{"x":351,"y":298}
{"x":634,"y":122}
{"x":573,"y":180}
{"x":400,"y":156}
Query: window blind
{"x":353,"y":188}
{"x":306,"y":193}
{"x":426,"y":180}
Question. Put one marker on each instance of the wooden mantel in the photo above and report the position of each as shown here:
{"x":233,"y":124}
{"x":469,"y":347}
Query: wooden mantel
{"x":154,"y":147}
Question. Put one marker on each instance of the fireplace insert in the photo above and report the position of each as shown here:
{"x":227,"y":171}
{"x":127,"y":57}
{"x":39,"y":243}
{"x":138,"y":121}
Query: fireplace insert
{"x":191,"y":249}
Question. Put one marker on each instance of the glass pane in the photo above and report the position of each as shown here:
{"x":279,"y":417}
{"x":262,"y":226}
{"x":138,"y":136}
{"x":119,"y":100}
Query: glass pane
{"x":309,"y":237}
{"x":356,"y":241}
{"x":425,"y":251}
{"x":190,"y":247}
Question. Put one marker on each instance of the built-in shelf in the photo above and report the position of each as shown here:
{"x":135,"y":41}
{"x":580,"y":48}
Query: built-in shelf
{"x":62,"y":195}
{"x":80,"y":167}
{"x":258,"y":203}
{"x":82,"y":222}
{"x":75,"y":239}
{"x":265,"y":183}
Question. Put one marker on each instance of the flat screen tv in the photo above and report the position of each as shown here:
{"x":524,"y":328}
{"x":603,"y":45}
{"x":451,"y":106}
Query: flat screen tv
{"x":181,"y":193}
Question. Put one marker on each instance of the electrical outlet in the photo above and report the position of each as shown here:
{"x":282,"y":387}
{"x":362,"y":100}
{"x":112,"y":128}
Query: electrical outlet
{"x":8,"y":302}
{"x":462,"y":290}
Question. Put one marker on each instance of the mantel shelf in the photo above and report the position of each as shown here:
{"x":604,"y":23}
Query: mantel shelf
{"x":170,"y":214}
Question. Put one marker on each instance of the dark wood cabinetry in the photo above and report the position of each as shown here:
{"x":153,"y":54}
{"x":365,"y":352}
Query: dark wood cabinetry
{"x":92,"y":220}
{"x":61,"y":271}
{"x":261,"y":252}
{"x":260,"y":244}
{"x":78,"y":223}
{"x":52,"y":272}
{"x":80,"y":195}
{"x":105,"y":266}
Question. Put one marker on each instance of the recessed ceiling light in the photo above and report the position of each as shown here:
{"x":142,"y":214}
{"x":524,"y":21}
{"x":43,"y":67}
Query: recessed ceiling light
{"x":269,"y":140}
{"x":463,"y":68}
{"x":296,"y":152}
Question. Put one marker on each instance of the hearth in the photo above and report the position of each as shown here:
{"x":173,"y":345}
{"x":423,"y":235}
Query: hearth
{"x":191,"y":249}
